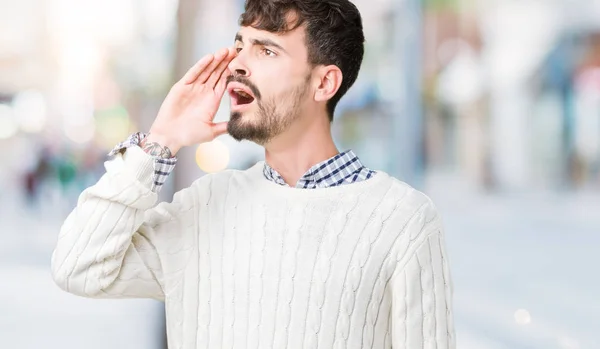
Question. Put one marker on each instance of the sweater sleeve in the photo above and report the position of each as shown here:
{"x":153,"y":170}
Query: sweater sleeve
{"x":421,"y":314}
{"x":114,"y":243}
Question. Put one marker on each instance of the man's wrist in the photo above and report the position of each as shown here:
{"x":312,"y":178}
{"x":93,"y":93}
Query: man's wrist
{"x":158,"y":145}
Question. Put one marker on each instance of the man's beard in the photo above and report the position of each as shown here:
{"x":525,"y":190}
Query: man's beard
{"x":273,"y":117}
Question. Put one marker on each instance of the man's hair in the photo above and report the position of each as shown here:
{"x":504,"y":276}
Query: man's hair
{"x":334,"y":33}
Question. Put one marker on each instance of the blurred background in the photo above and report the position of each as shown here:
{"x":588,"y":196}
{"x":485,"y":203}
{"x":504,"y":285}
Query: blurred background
{"x":491,"y":107}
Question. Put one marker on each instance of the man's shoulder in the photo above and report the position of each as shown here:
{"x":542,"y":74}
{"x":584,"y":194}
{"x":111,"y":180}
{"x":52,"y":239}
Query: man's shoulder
{"x":410,"y":200}
{"x":222,"y":179}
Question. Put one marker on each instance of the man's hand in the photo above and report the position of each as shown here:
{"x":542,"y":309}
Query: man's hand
{"x":186,"y":115}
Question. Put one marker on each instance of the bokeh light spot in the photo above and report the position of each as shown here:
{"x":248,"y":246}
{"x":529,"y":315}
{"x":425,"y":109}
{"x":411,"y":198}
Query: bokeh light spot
{"x":212,"y":156}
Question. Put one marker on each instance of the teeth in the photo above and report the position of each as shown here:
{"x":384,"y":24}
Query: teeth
{"x":242,"y":93}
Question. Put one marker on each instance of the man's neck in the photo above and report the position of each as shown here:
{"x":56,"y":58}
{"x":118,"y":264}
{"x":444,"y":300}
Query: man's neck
{"x":304,"y":145}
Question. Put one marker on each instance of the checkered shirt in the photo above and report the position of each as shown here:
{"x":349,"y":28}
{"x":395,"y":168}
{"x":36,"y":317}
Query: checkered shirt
{"x":343,"y":168}
{"x":162,"y":167}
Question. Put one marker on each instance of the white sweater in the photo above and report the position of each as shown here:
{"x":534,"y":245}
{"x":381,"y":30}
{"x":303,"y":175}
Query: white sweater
{"x":242,"y":262}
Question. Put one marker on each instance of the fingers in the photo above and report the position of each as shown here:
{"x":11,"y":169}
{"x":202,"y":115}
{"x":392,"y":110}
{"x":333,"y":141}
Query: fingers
{"x":219,"y":128}
{"x":221,"y":84}
{"x":214,"y":77}
{"x":198,"y":68}
{"x":205,"y":74}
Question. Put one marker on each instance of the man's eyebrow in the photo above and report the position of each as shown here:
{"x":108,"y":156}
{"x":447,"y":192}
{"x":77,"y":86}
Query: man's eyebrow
{"x":261,"y":42}
{"x":268,"y":42}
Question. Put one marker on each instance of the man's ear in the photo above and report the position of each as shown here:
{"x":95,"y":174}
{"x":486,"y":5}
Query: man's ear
{"x":330,"y":79}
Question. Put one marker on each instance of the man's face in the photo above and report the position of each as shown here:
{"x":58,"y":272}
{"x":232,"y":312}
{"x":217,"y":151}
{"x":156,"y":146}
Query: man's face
{"x":270,"y":83}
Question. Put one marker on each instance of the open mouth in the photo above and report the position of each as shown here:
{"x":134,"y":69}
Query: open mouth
{"x":240,"y":94}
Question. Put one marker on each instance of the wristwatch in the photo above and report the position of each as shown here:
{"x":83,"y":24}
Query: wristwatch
{"x":156,"y":150}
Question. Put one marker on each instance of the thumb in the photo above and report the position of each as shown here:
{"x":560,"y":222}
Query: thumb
{"x":219,"y":128}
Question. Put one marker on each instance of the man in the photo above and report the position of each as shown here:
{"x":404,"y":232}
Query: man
{"x":308,"y":249}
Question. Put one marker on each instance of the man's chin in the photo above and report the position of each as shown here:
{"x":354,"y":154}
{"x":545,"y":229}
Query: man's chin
{"x":241,"y":130}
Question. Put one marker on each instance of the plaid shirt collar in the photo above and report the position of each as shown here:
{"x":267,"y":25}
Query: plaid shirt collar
{"x":343,"y":168}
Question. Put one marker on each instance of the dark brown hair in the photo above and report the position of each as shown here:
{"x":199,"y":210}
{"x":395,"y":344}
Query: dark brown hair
{"x":334,"y":33}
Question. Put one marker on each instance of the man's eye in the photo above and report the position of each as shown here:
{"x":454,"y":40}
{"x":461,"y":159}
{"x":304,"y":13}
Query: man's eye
{"x":238,"y":49}
{"x":268,"y":52}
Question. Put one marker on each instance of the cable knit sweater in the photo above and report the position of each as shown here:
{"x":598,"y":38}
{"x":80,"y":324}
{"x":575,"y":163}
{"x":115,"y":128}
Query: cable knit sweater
{"x":242,"y":262}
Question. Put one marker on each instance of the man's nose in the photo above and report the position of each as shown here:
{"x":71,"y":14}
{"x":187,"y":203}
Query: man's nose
{"x":238,"y":67}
